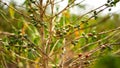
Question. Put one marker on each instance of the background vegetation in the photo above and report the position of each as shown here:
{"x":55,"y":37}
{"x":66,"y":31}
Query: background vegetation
{"x":37,"y":35}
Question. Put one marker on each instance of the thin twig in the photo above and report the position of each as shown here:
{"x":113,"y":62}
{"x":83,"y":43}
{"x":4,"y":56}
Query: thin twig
{"x":7,"y":33}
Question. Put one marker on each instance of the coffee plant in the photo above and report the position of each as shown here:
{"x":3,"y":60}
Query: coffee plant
{"x":39,"y":34}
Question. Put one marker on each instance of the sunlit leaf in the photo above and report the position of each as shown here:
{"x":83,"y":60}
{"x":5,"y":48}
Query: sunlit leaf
{"x":11,"y":10}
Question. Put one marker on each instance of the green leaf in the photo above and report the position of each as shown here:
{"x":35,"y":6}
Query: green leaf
{"x":116,"y":1}
{"x":32,"y":33}
{"x":70,"y":1}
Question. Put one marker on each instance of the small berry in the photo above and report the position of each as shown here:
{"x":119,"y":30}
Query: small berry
{"x":87,"y":55}
{"x":79,"y":55}
{"x":90,"y":34}
{"x":103,"y":46}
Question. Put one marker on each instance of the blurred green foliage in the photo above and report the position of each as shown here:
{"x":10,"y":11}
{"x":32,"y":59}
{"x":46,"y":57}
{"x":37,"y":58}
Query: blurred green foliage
{"x":108,"y":61}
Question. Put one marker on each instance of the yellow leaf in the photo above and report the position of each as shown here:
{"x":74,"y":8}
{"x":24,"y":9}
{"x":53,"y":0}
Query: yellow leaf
{"x":78,"y":32}
{"x":81,"y":26}
{"x":37,"y":61}
{"x":66,"y":14}
{"x":25,"y":25}
{"x":11,"y":11}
